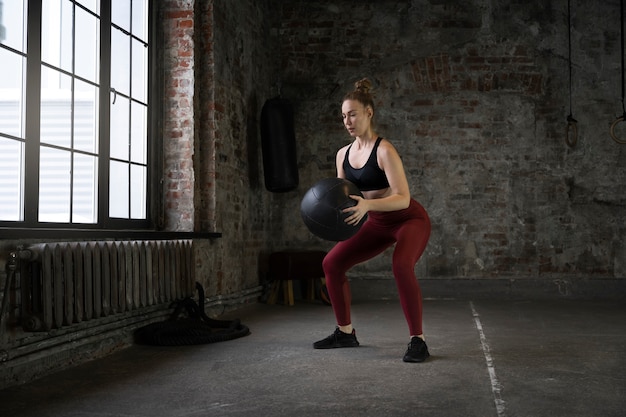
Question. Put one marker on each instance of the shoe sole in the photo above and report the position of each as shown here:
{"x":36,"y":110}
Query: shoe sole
{"x":412,"y":360}
{"x":335,"y":346}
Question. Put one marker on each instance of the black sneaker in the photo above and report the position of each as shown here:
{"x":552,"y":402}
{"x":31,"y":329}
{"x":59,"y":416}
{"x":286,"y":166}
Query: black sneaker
{"x":417,"y":351}
{"x":338,"y":339}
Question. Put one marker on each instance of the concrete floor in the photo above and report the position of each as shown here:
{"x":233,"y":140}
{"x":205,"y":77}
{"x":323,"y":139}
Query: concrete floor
{"x":489,"y":358}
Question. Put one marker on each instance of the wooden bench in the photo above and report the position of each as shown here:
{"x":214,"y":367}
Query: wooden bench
{"x":287,"y":266}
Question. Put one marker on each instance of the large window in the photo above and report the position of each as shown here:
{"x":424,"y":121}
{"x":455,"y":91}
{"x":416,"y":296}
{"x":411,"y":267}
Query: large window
{"x":74,"y":113}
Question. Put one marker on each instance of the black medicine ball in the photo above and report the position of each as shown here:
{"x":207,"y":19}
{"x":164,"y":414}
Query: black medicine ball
{"x":322,"y":205}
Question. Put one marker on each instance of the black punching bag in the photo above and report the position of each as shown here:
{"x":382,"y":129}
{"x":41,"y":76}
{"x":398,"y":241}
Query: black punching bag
{"x":278,"y":143}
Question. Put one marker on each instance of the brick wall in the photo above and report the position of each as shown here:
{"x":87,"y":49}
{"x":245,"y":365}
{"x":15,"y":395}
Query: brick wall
{"x":177,"y":24}
{"x":475,"y":96}
{"x":212,"y":175}
{"x":237,"y":79}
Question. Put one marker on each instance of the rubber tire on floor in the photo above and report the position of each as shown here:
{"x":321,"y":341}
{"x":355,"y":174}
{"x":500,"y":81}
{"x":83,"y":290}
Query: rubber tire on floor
{"x":194,"y":329}
{"x":187,"y":332}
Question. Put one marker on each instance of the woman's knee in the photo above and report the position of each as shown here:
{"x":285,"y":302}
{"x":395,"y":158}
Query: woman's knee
{"x":331,"y":266}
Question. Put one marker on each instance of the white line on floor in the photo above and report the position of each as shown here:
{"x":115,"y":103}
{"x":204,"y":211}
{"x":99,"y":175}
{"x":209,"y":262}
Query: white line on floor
{"x":495,"y":385}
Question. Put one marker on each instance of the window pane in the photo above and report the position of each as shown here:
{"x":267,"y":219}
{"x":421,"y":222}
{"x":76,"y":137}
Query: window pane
{"x":138,"y":188}
{"x":57,"y":24}
{"x":120,"y":128}
{"x":12,"y":31}
{"x":140,"y":19}
{"x":120,"y":62}
{"x":11,"y":93}
{"x":138,"y":136}
{"x":118,"y":190}
{"x":85,"y":117}
{"x":54,"y":185}
{"x":120,"y":13}
{"x":140,"y":74}
{"x":87,"y":45}
{"x":85,"y":189}
{"x":56,"y":108}
{"x":11,"y":168}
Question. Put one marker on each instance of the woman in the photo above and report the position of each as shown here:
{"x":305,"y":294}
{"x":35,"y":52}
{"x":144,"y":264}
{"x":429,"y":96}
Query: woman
{"x":373,"y":164}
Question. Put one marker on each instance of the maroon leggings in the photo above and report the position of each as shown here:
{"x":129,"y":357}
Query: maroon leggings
{"x":409,"y":229}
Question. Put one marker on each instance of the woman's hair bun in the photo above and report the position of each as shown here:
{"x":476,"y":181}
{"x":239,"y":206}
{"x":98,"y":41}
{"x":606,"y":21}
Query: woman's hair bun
{"x":361,"y":93}
{"x":363,"y":85}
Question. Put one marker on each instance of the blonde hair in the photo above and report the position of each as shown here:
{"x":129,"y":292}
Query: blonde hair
{"x":361,"y":93}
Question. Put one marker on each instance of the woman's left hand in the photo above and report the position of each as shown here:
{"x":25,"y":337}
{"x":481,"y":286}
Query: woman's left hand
{"x":358,"y":211}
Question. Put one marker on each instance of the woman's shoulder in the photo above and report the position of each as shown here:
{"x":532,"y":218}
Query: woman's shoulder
{"x":386,"y":146}
{"x":387,"y":154}
{"x":343,"y":149}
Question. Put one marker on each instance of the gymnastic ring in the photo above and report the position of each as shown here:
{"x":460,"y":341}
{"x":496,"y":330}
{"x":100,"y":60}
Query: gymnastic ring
{"x":612,"y":131}
{"x":574,"y":125}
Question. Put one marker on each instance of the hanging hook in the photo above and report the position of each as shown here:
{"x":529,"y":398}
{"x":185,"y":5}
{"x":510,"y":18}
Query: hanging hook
{"x":572,"y":124}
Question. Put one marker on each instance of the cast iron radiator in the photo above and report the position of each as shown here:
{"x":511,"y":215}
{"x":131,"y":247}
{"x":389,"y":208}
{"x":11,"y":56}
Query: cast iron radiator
{"x":65,"y":283}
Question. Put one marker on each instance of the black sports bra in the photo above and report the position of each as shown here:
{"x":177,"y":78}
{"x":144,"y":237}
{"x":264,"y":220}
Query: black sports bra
{"x":370,"y":177}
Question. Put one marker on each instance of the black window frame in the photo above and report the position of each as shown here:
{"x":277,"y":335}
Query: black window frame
{"x":32,"y":132}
